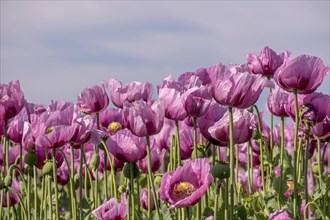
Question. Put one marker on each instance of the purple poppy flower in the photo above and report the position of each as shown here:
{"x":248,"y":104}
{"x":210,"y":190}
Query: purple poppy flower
{"x":63,"y":175}
{"x":56,"y":136}
{"x":304,"y":73}
{"x":213,"y":114}
{"x":144,"y":200}
{"x":126,"y":147}
{"x":267,"y":62}
{"x":319,"y":101}
{"x":279,"y":215}
{"x":186,"y":186}
{"x":131,"y":92}
{"x":243,"y":121}
{"x":196,"y":100}
{"x":322,"y":129}
{"x":111,"y":121}
{"x":93,"y":100}
{"x":164,"y":137}
{"x":210,"y":74}
{"x":15,"y":130}
{"x":170,"y":93}
{"x":243,"y":154}
{"x":41,"y":154}
{"x":12,"y":197}
{"x":277,"y":101}
{"x":238,"y":89}
{"x":11,"y":100}
{"x":243,"y":179}
{"x":187,"y":140}
{"x":118,"y":165}
{"x":157,"y":157}
{"x":112,"y":210}
{"x":143,"y":119}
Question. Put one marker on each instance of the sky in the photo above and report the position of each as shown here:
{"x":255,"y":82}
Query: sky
{"x":57,"y":48}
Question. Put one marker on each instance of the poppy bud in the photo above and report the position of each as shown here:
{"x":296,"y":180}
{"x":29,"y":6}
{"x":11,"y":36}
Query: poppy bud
{"x":8,"y":181}
{"x":127,"y":170}
{"x":31,"y":158}
{"x":47,"y":169}
{"x":221,"y":170}
{"x":95,"y":161}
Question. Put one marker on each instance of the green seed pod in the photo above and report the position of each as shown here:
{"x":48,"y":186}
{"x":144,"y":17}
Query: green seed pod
{"x":241,"y":212}
{"x":315,"y":169}
{"x":31,"y":158}
{"x":8,"y":181}
{"x":158,"y":179}
{"x":221,"y":170}
{"x":127,"y":170}
{"x":47,"y":169}
{"x":256,"y":135}
{"x":95,"y":161}
{"x":2,"y":185}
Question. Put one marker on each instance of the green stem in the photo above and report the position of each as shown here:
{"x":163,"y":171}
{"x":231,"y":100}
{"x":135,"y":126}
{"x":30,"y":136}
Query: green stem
{"x":213,"y":154}
{"x":151,"y":178}
{"x":132,"y":189}
{"x":319,"y":161}
{"x":149,"y":198}
{"x":178,"y":145}
{"x":80,"y":182}
{"x":106,"y":188}
{"x":42,"y":202}
{"x":112,"y":167}
{"x":55,"y":184}
{"x":72,"y":196}
{"x":261,"y":149}
{"x":50,"y":198}
{"x":281,"y":159}
{"x":305,"y":163}
{"x":231,"y":148}
{"x":249,"y":152}
{"x":19,"y":198}
{"x":28,"y":193}
{"x":295,"y":192}
{"x":195,"y":137}
{"x":299,"y":161}
{"x":35,"y":192}
{"x":217,"y":190}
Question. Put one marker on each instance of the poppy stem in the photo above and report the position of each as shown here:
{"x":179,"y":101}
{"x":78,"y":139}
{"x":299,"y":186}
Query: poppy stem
{"x":55,"y":184}
{"x":249,"y":152}
{"x":319,"y":161}
{"x":281,"y":160}
{"x":305,"y":164}
{"x":231,"y":155}
{"x":80,"y":181}
{"x":35,"y":192}
{"x":216,"y":201}
{"x":295,"y":192}
{"x":151,"y":178}
{"x":178,"y":145}
{"x":72,"y":197}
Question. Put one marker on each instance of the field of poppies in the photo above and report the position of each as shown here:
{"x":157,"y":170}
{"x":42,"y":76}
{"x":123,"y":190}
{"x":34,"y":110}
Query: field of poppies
{"x":199,"y":149}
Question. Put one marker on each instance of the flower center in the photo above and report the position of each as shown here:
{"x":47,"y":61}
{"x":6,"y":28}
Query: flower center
{"x":182,"y":190}
{"x":114,"y":127}
{"x":49,"y":130}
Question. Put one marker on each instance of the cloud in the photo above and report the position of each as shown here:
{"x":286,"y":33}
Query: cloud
{"x":57,"y":48}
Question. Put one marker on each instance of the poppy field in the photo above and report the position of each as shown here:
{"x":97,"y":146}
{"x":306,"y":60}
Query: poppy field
{"x":196,"y":147}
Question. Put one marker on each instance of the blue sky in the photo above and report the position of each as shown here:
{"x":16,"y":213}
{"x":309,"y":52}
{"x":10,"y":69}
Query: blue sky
{"x":57,"y":48}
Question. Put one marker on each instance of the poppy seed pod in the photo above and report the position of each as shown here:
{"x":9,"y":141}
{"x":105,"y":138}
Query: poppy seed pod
{"x":47,"y":169}
{"x":221,"y":170}
{"x":95,"y":161}
{"x":31,"y":158}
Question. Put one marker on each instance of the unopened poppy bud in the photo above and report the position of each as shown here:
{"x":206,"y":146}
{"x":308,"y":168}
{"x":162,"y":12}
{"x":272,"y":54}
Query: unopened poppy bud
{"x":256,"y":135}
{"x":127,"y":170}
{"x":308,"y":113}
{"x":31,"y":158}
{"x":221,"y":170}
{"x":315,"y":168}
{"x":47,"y":169}
{"x":95,"y":161}
{"x":158,"y":179}
{"x":8,"y":181}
